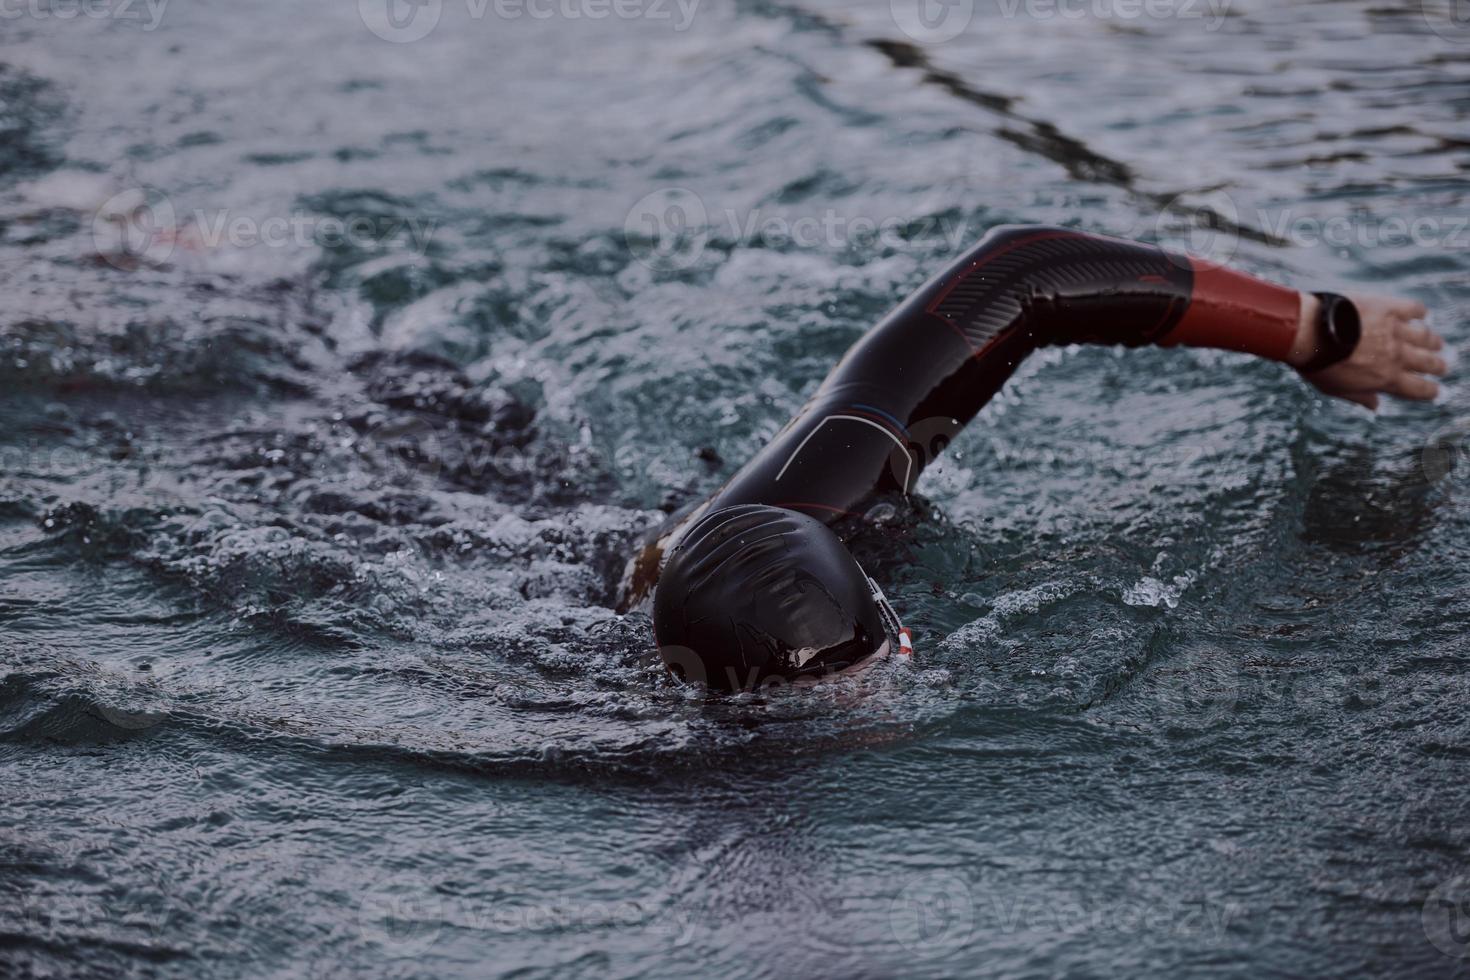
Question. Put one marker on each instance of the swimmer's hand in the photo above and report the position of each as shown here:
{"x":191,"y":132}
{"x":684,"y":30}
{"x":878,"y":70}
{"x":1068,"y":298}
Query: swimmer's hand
{"x":1395,"y":353}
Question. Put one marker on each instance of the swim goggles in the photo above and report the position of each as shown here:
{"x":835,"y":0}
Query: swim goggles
{"x":891,"y":623}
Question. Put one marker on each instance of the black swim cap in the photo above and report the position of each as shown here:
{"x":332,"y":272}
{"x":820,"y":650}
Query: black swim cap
{"x":752,"y":593}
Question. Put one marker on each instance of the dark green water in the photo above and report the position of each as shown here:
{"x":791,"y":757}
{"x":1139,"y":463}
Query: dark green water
{"x":324,"y":441}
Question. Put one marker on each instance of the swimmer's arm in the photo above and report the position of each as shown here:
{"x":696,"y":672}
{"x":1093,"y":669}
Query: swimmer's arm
{"x":908,"y":386}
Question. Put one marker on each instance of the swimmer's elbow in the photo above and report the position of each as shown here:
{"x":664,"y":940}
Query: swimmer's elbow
{"x":1066,"y":286}
{"x":1012,"y":232}
{"x":1011,"y":237}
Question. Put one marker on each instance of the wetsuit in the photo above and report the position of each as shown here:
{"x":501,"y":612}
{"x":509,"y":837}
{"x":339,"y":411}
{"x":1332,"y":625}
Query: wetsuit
{"x":913,"y":381}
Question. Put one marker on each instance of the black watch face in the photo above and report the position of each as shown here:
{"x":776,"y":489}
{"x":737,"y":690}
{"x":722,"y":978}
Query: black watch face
{"x":1340,"y":329}
{"x":1347,"y":326}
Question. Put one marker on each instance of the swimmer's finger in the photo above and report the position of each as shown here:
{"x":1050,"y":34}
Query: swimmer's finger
{"x":1377,"y":306}
{"x":1414,"y":388}
{"x":1420,"y":337}
{"x":1370,"y":402}
{"x":1411,"y":309}
{"x":1420,"y":360}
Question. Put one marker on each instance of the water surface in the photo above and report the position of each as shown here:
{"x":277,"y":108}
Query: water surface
{"x":339,"y":373}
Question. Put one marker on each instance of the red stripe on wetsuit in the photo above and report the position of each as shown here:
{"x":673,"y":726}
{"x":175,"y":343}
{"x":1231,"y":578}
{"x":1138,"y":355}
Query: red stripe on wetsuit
{"x":1229,"y":310}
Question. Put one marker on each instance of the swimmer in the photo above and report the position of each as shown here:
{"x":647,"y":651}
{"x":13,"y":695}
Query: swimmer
{"x":754,"y":587}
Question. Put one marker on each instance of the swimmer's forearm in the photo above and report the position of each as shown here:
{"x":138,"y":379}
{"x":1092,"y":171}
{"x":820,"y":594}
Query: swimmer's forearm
{"x":1064,"y":286}
{"x":1396,"y":353}
{"x":1230,"y":310}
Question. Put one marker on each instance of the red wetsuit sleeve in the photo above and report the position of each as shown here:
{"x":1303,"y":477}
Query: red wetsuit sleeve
{"x":1230,"y":310}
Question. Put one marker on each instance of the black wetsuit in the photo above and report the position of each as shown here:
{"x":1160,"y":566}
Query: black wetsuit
{"x":913,"y":381}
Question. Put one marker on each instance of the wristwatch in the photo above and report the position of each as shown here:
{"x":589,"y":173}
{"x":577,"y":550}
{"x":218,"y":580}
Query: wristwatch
{"x":1338,"y":331}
